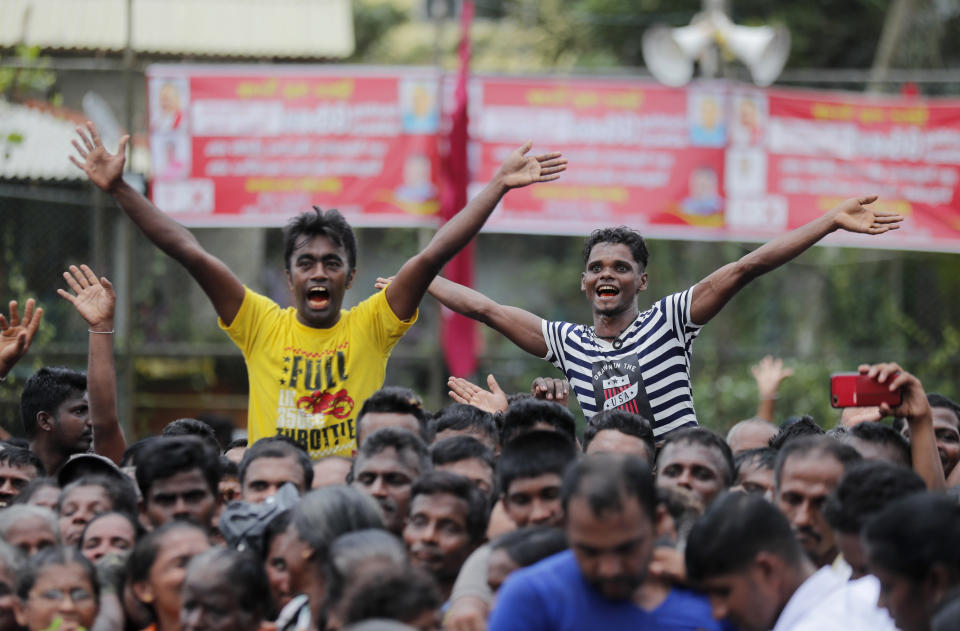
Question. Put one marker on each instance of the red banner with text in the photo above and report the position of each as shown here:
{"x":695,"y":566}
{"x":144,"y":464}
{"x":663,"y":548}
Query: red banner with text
{"x":714,"y":160}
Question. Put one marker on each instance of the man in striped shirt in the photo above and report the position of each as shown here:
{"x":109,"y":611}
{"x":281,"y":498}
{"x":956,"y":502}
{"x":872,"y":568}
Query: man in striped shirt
{"x":640,"y":361}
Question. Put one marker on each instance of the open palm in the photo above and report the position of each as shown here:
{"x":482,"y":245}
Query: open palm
{"x":16,"y":333}
{"x":103,"y":168}
{"x":94,"y":300}
{"x":519,"y":169}
{"x":853,"y":215}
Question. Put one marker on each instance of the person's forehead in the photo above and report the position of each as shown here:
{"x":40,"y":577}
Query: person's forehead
{"x":181,"y":542}
{"x":111,"y":525}
{"x":440,"y":506}
{"x":87,"y":493}
{"x":473,"y":466}
{"x":273,"y":466}
{"x":180,"y":482}
{"x":30,"y":525}
{"x":372,"y":421}
{"x":24,"y":471}
{"x":388,"y":460}
{"x":535,"y":484}
{"x":76,"y":397}
{"x":613,"y":440}
{"x":62,"y":574}
{"x":317,"y":246}
{"x":606,"y":251}
{"x":609,"y":528}
{"x":814,"y":469}
{"x":945,"y":417}
{"x":687,"y":453}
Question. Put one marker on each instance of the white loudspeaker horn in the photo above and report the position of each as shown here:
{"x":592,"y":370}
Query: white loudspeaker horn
{"x":670,"y":52}
{"x":763,"y":49}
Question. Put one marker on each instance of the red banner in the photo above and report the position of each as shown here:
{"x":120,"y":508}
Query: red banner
{"x":712,"y":161}
{"x":248,"y":146}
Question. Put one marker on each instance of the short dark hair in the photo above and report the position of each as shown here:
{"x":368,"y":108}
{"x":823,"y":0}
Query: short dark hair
{"x":864,"y":490}
{"x":277,"y":447}
{"x":192,"y":427}
{"x":522,"y":416}
{"x":460,"y":416}
{"x":236,"y":442}
{"x":402,"y":441}
{"x":45,"y":391}
{"x":884,"y":436}
{"x":612,"y":477}
{"x":763,"y":457}
{"x":803,"y":426}
{"x":21,"y":458}
{"x":705,"y":438}
{"x":534,"y":454}
{"x":913,"y":534}
{"x":145,"y":551}
{"x":132,"y":452}
{"x":620,"y":234}
{"x":166,"y":457}
{"x":457,"y":448}
{"x":445,"y":482}
{"x":397,"y":400}
{"x":800,"y":447}
{"x":734,"y":528}
{"x":529,"y":545}
{"x":621,"y":421}
{"x":401,"y":594}
{"x":330,"y":224}
{"x":119,"y":489}
{"x":58,"y":555}
{"x":939,"y":401}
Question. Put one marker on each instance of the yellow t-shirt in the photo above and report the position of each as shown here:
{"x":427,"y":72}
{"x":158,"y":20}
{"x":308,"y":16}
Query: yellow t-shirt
{"x":309,"y":383}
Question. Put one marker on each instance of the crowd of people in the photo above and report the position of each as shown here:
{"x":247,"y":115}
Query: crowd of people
{"x":351,"y":506}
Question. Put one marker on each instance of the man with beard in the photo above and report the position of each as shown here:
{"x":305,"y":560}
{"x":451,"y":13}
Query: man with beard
{"x":610,"y":503}
{"x":389,"y":462}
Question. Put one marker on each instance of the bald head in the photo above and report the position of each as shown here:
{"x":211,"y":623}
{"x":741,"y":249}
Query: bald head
{"x":750,"y":434}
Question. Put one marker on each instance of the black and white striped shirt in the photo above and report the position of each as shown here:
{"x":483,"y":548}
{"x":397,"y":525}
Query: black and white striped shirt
{"x":646,"y":370}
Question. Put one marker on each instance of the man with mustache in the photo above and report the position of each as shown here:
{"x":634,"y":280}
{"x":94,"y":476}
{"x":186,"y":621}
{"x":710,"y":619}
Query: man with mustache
{"x":389,"y":462}
{"x":611,"y":516}
{"x":807,"y":471}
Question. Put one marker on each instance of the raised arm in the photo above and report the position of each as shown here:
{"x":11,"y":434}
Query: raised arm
{"x":411,"y":282}
{"x":105,"y":170}
{"x":95,"y":302}
{"x":16,"y":334}
{"x":520,"y":327}
{"x":916,"y":409}
{"x":712,"y":293}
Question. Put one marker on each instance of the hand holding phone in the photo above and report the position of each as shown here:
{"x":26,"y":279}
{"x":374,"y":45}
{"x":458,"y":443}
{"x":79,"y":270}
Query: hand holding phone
{"x":852,"y":389}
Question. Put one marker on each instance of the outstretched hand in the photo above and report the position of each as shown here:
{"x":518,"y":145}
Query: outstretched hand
{"x":854,"y":216}
{"x":94,"y":300}
{"x":16,"y":334}
{"x":768,"y":373}
{"x":913,"y":400}
{"x":492,"y":401}
{"x":551,"y":389}
{"x":104,"y":169}
{"x":519,"y":169}
{"x":382,"y":282}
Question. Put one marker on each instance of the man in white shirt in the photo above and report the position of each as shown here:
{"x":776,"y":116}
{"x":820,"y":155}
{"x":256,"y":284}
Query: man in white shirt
{"x":744,"y":555}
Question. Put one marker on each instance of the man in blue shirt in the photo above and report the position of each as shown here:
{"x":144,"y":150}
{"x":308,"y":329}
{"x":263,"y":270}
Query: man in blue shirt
{"x":610,"y":504}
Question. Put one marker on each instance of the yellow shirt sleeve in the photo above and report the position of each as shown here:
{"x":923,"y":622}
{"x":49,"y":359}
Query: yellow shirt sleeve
{"x":257,"y":314}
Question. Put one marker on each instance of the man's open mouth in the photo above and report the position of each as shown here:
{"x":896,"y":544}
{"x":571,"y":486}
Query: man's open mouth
{"x":607,"y":291}
{"x":318,"y":297}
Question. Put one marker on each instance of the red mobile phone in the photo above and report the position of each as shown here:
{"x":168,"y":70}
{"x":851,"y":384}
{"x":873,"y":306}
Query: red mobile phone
{"x":851,"y":389}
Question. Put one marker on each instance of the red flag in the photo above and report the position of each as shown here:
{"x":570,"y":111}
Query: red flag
{"x":459,"y":332}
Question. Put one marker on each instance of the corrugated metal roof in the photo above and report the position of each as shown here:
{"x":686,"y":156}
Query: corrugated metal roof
{"x":42,"y":154}
{"x":243,"y":28}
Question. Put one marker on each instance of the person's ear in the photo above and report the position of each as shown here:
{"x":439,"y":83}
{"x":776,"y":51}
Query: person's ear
{"x":938,"y":582}
{"x":143,"y":592}
{"x":642,"y":285}
{"x":582,"y":286}
{"x":766,"y":567}
{"x":19,"y":613}
{"x":289,"y":279}
{"x":45,"y":421}
{"x":350,"y":277}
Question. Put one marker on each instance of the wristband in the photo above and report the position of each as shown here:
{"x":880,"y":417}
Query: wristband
{"x":110,"y":332}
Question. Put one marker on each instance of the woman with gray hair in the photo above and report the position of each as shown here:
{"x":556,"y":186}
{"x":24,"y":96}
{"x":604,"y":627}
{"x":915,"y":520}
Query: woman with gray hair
{"x":321,"y":516}
{"x":29,"y":528}
{"x":11,"y":565}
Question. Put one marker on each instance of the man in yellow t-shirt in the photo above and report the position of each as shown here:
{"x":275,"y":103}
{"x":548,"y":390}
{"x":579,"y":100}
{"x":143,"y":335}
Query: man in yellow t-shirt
{"x":311,"y":366}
